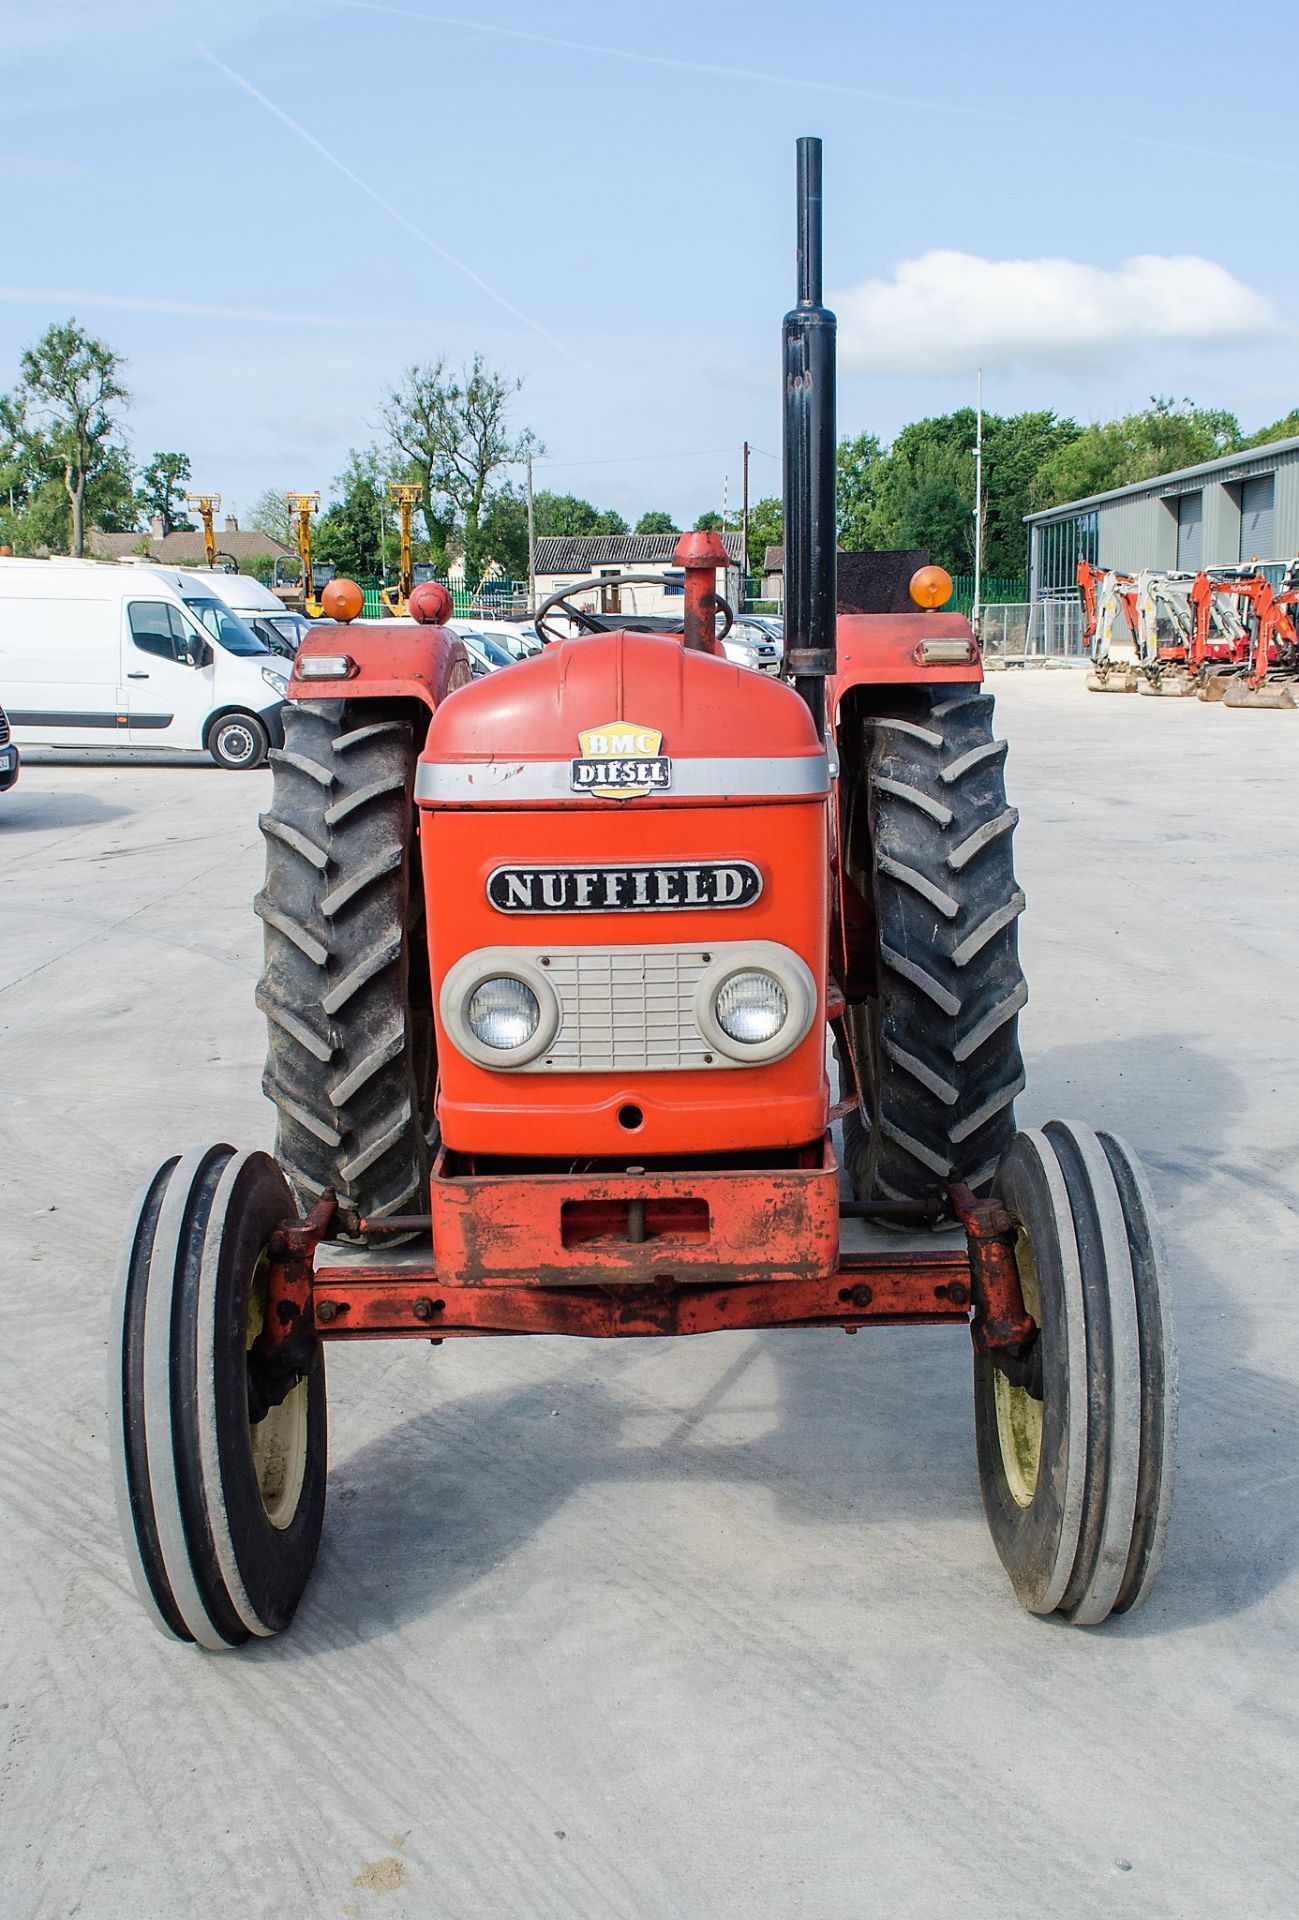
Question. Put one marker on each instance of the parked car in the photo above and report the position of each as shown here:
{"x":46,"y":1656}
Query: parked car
{"x":749,"y":644}
{"x":746,"y":645}
{"x":485,"y":654}
{"x":519,"y":638}
{"x":8,"y":755}
{"x":93,"y":655}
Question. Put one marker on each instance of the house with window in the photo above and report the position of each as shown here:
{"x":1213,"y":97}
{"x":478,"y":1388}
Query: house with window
{"x":1241,"y":507}
{"x":608,"y":556}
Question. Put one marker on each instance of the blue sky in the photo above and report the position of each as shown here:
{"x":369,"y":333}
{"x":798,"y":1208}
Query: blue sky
{"x":618,"y":230}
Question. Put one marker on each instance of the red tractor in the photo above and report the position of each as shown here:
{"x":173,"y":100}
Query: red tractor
{"x":554,"y":962}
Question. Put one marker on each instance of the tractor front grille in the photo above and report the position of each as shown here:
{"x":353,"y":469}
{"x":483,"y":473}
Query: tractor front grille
{"x":624,"y":1008}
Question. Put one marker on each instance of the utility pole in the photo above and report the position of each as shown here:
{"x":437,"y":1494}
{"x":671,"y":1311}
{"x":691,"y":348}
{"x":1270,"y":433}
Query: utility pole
{"x":532,"y":545}
{"x":744,"y":531}
{"x":977,"y":609}
{"x":726,"y":495}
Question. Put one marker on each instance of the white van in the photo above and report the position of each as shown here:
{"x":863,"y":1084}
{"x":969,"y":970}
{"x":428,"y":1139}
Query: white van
{"x":262,"y":611}
{"x":93,"y":655}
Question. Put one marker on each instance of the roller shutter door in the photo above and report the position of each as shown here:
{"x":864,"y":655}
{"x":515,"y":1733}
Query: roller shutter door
{"x":1256,"y":517}
{"x":1190,"y":532}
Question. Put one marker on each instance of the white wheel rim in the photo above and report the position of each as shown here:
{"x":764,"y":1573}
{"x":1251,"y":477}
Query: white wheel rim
{"x":1019,"y":1415}
{"x":279,"y":1439}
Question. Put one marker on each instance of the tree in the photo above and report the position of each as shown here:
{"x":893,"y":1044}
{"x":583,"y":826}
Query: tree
{"x":162,"y":491}
{"x":655,"y":521}
{"x":766,"y":529}
{"x":1159,"y":440}
{"x":1286,"y":428}
{"x":505,"y":532}
{"x":453,"y":430}
{"x":66,"y":411}
{"x":856,"y":463}
{"x":270,"y":515}
{"x":350,"y":531}
{"x":110,"y":493}
{"x":924,"y":491}
{"x":566,"y":515}
{"x":709,"y":522}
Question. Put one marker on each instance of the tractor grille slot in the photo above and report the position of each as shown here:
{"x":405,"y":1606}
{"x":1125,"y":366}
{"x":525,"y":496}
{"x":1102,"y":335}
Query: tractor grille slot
{"x":624,"y":1008}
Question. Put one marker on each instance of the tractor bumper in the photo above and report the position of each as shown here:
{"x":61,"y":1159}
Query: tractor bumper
{"x":614,"y":1255}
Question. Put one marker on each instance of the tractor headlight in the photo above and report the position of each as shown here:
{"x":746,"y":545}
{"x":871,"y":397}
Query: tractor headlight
{"x":751,"y":1007}
{"x":755,"y":1002}
{"x":503,"y":1013}
{"x":498,"y":1007}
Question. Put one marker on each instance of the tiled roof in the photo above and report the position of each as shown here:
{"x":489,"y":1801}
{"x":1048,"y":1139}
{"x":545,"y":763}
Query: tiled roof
{"x":183,"y":549}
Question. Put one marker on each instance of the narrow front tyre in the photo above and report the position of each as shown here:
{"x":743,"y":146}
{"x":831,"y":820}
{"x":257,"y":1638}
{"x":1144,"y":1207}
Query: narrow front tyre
{"x":221,"y":1501}
{"x":1077,"y":1477}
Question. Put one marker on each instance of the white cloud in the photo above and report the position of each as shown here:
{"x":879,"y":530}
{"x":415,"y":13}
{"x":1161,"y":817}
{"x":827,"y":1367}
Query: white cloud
{"x":949,"y":312}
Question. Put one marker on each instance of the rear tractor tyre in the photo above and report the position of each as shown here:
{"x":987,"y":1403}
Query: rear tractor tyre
{"x":238,"y":741}
{"x":1077,"y":1484}
{"x":221,"y":1514}
{"x":927,"y":844}
{"x":346,"y":989}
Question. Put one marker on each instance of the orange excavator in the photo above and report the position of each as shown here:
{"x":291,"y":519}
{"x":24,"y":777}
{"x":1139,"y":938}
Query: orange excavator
{"x":1263,"y":670}
{"x":1109,"y":602}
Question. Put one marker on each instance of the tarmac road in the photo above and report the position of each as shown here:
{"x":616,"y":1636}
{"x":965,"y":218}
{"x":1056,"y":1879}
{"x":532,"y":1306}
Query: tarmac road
{"x":713,"y":1629}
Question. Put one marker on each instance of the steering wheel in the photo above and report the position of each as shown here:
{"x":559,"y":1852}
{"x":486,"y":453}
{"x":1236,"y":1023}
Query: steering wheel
{"x":589,"y":623}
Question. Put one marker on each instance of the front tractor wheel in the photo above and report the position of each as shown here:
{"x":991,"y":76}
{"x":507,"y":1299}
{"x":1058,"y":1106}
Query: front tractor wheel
{"x":934,"y":1030}
{"x":346,"y":990}
{"x":1077,"y":1468}
{"x":220,"y":1496}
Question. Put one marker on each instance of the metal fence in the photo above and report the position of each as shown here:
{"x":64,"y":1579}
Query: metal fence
{"x":1025,"y":632}
{"x":507,"y":599}
{"x":993,"y":588}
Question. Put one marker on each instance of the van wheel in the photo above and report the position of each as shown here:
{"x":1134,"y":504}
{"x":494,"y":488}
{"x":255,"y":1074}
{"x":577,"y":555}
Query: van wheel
{"x":237,"y":741}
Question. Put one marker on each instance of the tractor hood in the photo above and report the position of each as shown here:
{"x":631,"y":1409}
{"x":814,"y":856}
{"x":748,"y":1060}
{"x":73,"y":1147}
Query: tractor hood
{"x":614,"y":719}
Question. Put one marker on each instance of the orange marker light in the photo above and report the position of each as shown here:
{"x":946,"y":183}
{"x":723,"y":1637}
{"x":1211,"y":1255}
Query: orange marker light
{"x":931,"y":587}
{"x":430,"y":604}
{"x":342,"y":600}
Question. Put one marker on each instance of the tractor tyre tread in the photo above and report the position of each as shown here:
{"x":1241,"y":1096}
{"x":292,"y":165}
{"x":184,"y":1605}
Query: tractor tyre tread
{"x":341,"y":872}
{"x":937,"y":1047}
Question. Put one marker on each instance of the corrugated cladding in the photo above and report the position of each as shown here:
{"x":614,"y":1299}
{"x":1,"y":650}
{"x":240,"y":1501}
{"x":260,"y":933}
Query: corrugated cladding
{"x":1137,"y":525}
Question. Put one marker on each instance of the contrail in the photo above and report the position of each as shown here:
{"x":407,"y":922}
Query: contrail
{"x":190,"y":309}
{"x":394,"y":213}
{"x":653,"y":59}
{"x":793,"y":81}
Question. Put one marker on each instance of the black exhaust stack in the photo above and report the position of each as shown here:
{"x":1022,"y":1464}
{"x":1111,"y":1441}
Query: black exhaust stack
{"x":811,"y":535}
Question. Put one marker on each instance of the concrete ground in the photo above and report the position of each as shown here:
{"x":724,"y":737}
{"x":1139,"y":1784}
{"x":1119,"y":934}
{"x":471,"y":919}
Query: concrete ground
{"x":711,"y":1629}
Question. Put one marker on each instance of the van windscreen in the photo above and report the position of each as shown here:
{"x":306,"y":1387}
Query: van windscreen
{"x":226,"y":628}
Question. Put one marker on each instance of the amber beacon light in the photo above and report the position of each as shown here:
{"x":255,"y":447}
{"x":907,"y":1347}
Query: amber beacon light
{"x":931,"y":587}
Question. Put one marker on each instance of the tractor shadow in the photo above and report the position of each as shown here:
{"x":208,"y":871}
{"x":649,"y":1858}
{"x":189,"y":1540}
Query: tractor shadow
{"x":859,"y":1434}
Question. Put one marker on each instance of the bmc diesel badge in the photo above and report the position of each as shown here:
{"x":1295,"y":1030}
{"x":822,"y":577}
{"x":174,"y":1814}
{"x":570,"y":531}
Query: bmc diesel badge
{"x":620,"y":760}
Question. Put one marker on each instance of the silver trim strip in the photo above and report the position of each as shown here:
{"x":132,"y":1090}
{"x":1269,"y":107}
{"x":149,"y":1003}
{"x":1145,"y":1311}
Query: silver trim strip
{"x":460,"y":783}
